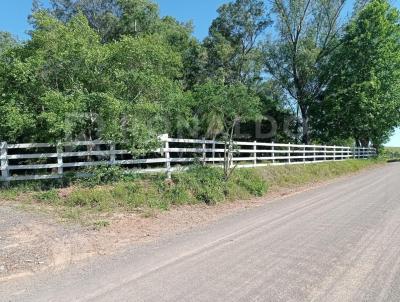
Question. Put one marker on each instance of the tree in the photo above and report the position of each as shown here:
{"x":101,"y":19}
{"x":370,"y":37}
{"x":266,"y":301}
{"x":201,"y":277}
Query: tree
{"x":7,"y":41}
{"x":110,"y":18}
{"x":232,"y":44}
{"x":65,"y":83}
{"x":363,"y":97}
{"x":221,"y":107}
{"x":307,"y":34}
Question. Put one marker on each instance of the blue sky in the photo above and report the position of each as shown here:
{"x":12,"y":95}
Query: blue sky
{"x":13,"y":18}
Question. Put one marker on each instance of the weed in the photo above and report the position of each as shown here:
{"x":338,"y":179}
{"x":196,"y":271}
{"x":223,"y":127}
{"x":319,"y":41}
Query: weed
{"x":101,"y":175}
{"x":97,"y":225}
{"x":200,"y":184}
{"x":48,"y":196}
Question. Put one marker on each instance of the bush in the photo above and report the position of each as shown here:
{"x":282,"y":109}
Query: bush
{"x":204,"y":184}
{"x":208,"y":185}
{"x":198,"y":184}
{"x":102,"y":175}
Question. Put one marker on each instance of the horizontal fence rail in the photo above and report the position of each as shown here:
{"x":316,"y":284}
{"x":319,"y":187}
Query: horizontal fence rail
{"x":51,"y":161}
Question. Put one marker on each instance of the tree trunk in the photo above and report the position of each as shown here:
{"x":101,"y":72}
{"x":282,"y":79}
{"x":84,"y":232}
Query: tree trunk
{"x":305,"y":125}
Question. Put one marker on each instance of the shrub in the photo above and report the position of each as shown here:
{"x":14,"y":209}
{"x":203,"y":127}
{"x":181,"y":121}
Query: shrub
{"x":102,"y":175}
{"x":208,"y":185}
{"x":204,"y":184}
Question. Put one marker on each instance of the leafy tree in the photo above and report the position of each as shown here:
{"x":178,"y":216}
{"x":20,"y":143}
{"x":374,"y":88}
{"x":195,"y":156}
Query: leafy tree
{"x":222,"y":107}
{"x":7,"y":41}
{"x":66,"y":84}
{"x":110,"y":18}
{"x":363,"y":97}
{"x":232,"y":44}
{"x":113,"y":19}
{"x":307,"y":33}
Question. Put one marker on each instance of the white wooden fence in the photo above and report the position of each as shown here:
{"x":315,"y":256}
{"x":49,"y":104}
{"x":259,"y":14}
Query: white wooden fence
{"x":49,"y":161}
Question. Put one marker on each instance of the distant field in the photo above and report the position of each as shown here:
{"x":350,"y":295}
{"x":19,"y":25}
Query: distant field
{"x":393,"y":149}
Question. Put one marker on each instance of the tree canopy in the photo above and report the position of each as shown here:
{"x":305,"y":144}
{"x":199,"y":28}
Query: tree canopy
{"x":117,"y":70}
{"x":362,"y":99}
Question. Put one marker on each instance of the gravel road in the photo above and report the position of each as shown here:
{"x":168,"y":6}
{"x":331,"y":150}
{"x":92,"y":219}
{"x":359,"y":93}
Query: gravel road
{"x":339,"y":242}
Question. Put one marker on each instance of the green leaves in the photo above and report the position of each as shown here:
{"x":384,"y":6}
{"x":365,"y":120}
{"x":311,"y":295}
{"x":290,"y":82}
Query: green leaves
{"x":68,"y":85}
{"x":363,"y":100}
{"x":115,"y":70}
{"x":232,"y":45}
{"x":223,"y":106}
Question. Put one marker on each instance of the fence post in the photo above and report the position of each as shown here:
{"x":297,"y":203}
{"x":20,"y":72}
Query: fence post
{"x":255,"y":153}
{"x":314,"y":154}
{"x":289,"y":160}
{"x":204,"y":155}
{"x":60,"y":169}
{"x":324,"y":152}
{"x":213,"y":152}
{"x":165,"y":150}
{"x":4,"y":163}
{"x":273,"y":152}
{"x":112,"y":153}
{"x":304,"y":154}
{"x":334,"y":152}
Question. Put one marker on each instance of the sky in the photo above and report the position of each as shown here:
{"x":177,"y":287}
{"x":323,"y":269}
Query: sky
{"x":14,"y":13}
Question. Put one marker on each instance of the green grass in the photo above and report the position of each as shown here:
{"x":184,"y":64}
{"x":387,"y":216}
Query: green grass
{"x":298,"y":175}
{"x":90,"y":203}
{"x":391,"y":153}
{"x":393,"y":149}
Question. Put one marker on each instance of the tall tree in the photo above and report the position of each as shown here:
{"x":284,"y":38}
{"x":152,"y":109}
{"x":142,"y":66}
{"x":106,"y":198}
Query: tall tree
{"x":363,"y":97}
{"x":65,"y":84}
{"x":7,"y":41}
{"x":307,"y":33}
{"x":232,"y":44}
{"x":111,"y":18}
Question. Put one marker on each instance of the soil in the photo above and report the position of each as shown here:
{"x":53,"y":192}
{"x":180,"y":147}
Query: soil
{"x":31,"y":241}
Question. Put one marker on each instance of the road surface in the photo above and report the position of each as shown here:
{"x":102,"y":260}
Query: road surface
{"x":339,"y":242}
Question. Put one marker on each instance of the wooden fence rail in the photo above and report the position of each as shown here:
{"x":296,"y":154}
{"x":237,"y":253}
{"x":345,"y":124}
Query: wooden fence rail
{"x":51,"y":161}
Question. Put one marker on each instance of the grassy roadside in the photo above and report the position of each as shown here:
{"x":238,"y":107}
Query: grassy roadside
{"x":392,"y":154}
{"x":289,"y":176}
{"x":92,"y":202}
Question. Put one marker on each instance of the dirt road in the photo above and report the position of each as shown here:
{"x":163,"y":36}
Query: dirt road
{"x":339,"y":242}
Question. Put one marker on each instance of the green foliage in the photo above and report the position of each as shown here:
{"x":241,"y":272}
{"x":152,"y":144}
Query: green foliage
{"x":101,"y":175}
{"x":116,"y":70}
{"x":112,"y":192}
{"x":100,"y":224}
{"x":64,"y":84}
{"x":223,"y":106}
{"x":197,"y":185}
{"x":205,"y":184}
{"x":250,"y":181}
{"x":91,"y":198}
{"x":390,"y":153}
{"x":282,"y":177}
{"x":307,"y":34}
{"x":111,"y":18}
{"x":232,"y":46}
{"x":50,"y":196}
{"x":7,"y":41}
{"x":363,"y":98}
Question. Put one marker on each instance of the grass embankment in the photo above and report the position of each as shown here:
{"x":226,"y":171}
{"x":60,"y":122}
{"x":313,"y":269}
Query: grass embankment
{"x":110,"y":191}
{"x":392,"y":153}
{"x":289,"y":176}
